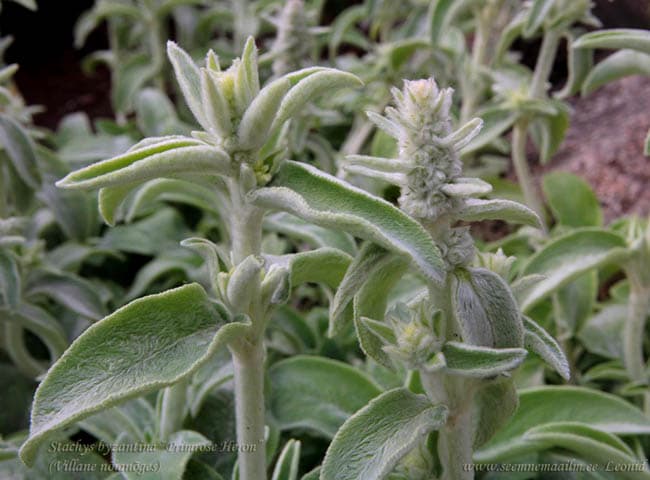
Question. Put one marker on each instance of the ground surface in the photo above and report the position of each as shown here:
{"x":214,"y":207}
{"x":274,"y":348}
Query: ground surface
{"x":604,"y":145}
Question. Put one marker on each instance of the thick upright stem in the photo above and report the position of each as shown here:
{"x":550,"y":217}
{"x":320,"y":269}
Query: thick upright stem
{"x":248,"y":353}
{"x":543,"y":69}
{"x":455,"y":439}
{"x":455,"y":448}
{"x":245,"y":225}
{"x":248,"y":360}
{"x":544,"y":64}
{"x":522,"y":170}
{"x":634,"y":332}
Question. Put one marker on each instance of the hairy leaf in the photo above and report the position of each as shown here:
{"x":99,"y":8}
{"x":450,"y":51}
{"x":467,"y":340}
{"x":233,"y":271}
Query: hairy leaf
{"x":10,"y":283}
{"x":189,"y":79}
{"x":20,"y":149}
{"x":544,"y":405}
{"x":618,"y":65}
{"x":572,"y":200}
{"x":323,"y":265}
{"x":72,"y":291}
{"x":374,"y":439}
{"x":616,"y":38}
{"x":568,"y":257}
{"x":255,"y":125}
{"x":286,"y":468}
{"x":327,"y":201}
{"x":481,"y":362}
{"x":486,"y":310}
{"x":162,"y":159}
{"x":538,"y":13}
{"x":308,"y":87}
{"x":587,"y":442}
{"x":316,"y":393}
{"x":148,"y":344}
{"x":170,"y":459}
{"x":543,"y":344}
{"x":316,"y":236}
{"x":601,"y":334}
{"x":474,"y":209}
{"x":370,"y":258}
{"x":372,"y":300}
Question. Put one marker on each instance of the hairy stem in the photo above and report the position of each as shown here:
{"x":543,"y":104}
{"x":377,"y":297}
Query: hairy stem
{"x":245,"y":225}
{"x":172,"y":410}
{"x":248,"y":361}
{"x":455,"y":439}
{"x":455,"y":448}
{"x":522,"y":169}
{"x":538,"y":86}
{"x":634,"y":332}
{"x":248,"y":353}
{"x":544,"y":64}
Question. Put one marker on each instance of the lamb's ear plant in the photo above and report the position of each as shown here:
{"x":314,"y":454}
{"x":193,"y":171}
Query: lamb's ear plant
{"x":136,"y":31}
{"x":463,"y":336}
{"x":160,"y":340}
{"x":523,"y":98}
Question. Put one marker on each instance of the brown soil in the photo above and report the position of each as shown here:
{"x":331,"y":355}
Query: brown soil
{"x":604,"y":145}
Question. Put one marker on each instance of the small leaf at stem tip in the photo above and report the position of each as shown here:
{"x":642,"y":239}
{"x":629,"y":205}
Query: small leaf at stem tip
{"x":308,"y":88}
{"x":255,"y":125}
{"x":189,"y":79}
{"x":247,"y":82}
{"x":217,"y":111}
{"x":243,"y":283}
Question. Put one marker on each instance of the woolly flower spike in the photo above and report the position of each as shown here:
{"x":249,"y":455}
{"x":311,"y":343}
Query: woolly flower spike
{"x":428,"y":166}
